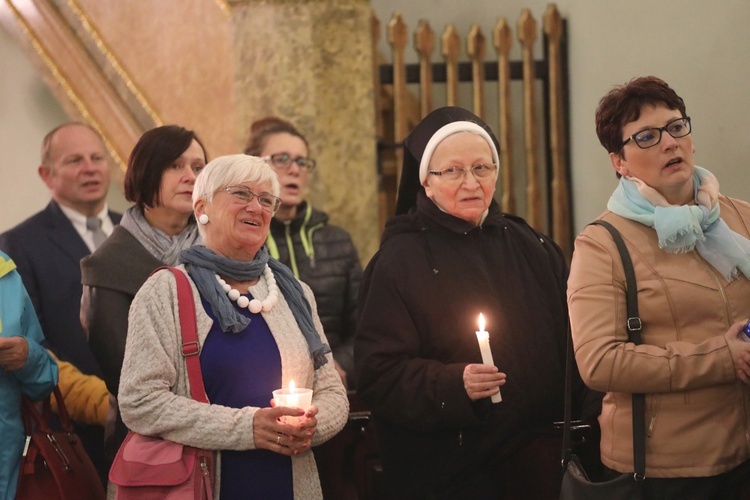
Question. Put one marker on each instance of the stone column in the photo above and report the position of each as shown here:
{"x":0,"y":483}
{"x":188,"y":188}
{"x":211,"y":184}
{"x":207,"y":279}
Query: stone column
{"x":311,"y":62}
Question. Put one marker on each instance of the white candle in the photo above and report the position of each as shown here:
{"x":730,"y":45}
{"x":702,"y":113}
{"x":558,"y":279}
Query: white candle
{"x":293,"y":397}
{"x":483,"y":338}
{"x":292,"y":400}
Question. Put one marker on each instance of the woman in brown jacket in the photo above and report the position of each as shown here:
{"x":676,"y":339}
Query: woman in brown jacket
{"x":691,"y":255}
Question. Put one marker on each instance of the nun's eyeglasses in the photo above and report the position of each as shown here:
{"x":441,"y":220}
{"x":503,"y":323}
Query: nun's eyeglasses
{"x":452,"y":174}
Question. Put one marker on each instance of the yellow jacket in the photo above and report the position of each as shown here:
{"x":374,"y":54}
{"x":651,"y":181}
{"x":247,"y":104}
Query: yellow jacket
{"x":86,"y":396}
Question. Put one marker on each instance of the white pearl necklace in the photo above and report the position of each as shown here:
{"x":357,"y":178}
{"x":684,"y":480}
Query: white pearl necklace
{"x":255,"y":305}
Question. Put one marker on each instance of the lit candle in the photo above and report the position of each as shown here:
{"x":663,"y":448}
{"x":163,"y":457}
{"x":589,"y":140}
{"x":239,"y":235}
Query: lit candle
{"x":293,"y":398}
{"x":483,"y":338}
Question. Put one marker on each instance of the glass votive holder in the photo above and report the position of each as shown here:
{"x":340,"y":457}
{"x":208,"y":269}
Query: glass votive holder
{"x":293,"y":398}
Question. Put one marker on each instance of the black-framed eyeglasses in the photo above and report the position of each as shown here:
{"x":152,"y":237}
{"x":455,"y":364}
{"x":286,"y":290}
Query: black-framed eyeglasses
{"x":241,"y":194}
{"x":283,"y":161}
{"x":650,"y":137}
{"x":480,"y":171}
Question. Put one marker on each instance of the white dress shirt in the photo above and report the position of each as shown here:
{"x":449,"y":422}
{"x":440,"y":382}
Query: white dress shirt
{"x":79,"y":222}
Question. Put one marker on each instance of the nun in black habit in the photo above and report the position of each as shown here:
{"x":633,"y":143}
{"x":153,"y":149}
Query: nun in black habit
{"x":448,"y":255}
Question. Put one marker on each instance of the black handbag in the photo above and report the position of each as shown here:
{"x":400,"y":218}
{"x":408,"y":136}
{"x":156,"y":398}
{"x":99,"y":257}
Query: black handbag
{"x":576,"y":484}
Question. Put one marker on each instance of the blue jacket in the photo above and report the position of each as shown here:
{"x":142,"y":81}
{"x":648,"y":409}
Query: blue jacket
{"x":36,"y":379}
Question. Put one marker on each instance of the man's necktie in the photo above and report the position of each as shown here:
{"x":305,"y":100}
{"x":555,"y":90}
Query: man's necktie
{"x":94,"y":224}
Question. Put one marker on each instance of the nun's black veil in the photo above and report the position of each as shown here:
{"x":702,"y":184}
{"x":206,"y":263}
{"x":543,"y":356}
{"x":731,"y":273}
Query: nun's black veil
{"x":415,"y":144}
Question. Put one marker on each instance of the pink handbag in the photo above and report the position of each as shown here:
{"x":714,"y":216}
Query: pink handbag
{"x":147,"y":468}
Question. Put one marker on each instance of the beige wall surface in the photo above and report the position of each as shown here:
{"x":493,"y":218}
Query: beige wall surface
{"x":176,"y":53}
{"x":698,"y":47}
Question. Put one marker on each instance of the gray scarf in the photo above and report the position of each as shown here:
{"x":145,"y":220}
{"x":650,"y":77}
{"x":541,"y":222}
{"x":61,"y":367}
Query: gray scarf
{"x":203,"y":264}
{"x":159,"y":244}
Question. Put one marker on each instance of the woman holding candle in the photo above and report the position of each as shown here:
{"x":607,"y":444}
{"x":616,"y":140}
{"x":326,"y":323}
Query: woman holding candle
{"x":258,"y":329}
{"x":449,"y":255}
{"x":691,"y":255}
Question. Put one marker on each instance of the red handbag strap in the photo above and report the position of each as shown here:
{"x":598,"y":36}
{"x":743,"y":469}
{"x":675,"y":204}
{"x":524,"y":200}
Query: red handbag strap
{"x":40,"y":420}
{"x":188,"y":326}
{"x":62,"y":412}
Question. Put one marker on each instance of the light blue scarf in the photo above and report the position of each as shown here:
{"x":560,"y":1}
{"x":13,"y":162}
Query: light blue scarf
{"x":682,"y":228}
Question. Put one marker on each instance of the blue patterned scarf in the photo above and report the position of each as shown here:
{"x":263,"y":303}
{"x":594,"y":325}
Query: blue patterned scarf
{"x":682,"y":228}
{"x":203,"y":264}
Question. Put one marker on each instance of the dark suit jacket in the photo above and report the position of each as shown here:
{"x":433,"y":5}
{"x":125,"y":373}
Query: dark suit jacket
{"x":47,"y":250}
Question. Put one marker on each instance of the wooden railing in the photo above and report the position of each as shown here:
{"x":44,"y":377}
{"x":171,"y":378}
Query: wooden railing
{"x":545,"y":201}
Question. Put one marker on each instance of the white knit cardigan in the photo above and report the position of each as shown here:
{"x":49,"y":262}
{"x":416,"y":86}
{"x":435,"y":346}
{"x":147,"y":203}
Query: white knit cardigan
{"x":154,"y":395}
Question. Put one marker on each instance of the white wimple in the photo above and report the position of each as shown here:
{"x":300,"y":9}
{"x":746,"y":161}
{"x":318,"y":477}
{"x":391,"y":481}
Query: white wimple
{"x":255,"y":305}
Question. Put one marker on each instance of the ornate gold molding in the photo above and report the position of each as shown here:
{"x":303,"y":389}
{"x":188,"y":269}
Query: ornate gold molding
{"x":114,"y":62}
{"x":71,"y":94}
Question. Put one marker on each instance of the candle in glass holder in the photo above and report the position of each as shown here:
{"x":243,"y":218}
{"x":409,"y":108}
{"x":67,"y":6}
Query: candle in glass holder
{"x":483,"y":338}
{"x":293,"y":397}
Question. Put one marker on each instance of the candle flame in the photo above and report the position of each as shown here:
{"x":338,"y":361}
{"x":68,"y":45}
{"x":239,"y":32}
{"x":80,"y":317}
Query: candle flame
{"x":481,"y":322}
{"x":292,"y":387}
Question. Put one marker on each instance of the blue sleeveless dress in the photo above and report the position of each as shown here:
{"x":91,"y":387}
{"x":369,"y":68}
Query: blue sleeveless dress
{"x":242,"y":369}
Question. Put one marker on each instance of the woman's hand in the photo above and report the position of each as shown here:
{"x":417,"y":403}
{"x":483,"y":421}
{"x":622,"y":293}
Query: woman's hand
{"x":482,"y":381}
{"x":271,"y":433}
{"x":740,"y":351}
{"x":13,"y":353}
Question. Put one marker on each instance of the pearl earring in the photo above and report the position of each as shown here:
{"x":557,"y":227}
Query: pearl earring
{"x":203,"y":219}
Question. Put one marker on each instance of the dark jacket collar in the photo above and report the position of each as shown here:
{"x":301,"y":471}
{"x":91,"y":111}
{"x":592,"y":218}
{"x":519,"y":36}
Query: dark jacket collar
{"x":428,"y":215}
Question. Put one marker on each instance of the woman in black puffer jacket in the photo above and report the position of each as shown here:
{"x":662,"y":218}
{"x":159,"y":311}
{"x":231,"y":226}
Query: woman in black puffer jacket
{"x":320,"y":254}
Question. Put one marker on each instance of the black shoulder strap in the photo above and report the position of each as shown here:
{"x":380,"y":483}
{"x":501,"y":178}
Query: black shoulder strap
{"x":634,"y":327}
{"x":634,"y":321}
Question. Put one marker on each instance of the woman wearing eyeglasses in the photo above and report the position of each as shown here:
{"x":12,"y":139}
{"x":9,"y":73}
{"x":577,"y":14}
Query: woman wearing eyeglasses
{"x":690,"y":250}
{"x":449,"y":255}
{"x":258,"y":331}
{"x":320,"y":254}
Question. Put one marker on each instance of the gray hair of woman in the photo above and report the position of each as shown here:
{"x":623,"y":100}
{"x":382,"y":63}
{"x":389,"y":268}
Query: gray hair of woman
{"x":232,"y":170}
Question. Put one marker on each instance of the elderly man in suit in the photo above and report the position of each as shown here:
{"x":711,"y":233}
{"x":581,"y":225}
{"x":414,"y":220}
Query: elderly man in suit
{"x":48,"y":246}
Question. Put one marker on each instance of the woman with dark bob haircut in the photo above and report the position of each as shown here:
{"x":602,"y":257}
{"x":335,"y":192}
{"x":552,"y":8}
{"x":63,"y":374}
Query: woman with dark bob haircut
{"x":691,"y":255}
{"x":161,"y":173}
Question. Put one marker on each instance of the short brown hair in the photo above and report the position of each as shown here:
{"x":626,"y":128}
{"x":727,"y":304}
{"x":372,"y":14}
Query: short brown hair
{"x":623,"y":104}
{"x":155,"y":151}
{"x":265,"y":127}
